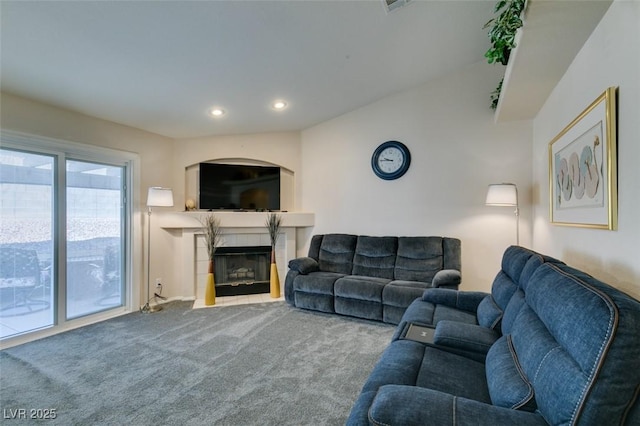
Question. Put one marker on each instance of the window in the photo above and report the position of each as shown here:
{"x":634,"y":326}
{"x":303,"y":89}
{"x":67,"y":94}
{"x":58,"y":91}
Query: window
{"x":65,"y":246}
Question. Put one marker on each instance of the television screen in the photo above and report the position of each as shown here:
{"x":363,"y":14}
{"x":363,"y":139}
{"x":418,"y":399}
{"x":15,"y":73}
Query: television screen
{"x":234,"y":186}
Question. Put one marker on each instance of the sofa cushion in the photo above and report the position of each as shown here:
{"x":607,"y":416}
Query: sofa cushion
{"x":406,"y":362}
{"x":425,"y":313}
{"x":375,"y":257}
{"x":516,"y":303}
{"x":402,"y":293}
{"x":335,"y":253}
{"x":453,"y":374}
{"x":316,"y":282}
{"x":508,"y":385}
{"x":419,"y":258}
{"x":361,"y":288}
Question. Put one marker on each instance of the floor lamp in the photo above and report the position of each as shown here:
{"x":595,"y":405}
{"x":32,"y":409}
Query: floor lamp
{"x":505,"y":195}
{"x":156,"y":197}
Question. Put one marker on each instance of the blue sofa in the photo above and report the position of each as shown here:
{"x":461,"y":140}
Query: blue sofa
{"x":549,"y":345}
{"x":368,"y":277}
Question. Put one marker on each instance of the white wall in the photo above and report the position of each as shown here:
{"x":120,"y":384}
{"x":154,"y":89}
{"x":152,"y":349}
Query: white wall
{"x":457,"y":150}
{"x":282,"y":149}
{"x":610,"y":57}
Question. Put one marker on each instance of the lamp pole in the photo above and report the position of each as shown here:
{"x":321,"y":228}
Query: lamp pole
{"x":157,"y":197}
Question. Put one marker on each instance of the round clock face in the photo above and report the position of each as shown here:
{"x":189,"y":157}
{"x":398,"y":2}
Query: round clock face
{"x":391,"y":160}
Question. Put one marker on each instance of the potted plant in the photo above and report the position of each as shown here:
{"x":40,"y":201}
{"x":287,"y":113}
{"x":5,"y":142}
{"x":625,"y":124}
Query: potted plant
{"x":503,"y":30}
{"x":212,"y":234}
{"x":502,"y":34}
{"x":273,"y":226}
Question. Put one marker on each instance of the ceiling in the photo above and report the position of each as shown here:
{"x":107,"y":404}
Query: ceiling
{"x":161,"y":66}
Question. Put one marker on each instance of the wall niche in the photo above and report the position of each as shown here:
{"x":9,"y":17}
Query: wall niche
{"x":287,"y":180}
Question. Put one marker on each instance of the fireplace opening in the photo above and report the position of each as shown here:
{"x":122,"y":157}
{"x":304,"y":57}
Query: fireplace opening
{"x":242,"y":270}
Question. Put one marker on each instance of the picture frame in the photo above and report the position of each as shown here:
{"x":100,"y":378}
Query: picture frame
{"x":583,"y":168}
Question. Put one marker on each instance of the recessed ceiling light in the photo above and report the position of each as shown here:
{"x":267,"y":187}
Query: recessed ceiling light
{"x":217,"y":112}
{"x":279,"y":105}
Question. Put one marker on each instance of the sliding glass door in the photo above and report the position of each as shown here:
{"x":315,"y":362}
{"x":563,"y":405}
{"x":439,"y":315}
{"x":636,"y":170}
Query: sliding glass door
{"x":63,"y":238}
{"x":27,"y":257}
{"x":95,"y":224}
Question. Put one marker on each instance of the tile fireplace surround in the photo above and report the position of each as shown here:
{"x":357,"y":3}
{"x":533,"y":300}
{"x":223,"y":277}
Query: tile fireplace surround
{"x":239,"y":229}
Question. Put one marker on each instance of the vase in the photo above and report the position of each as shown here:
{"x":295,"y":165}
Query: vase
{"x":210,"y":289}
{"x":274,"y":281}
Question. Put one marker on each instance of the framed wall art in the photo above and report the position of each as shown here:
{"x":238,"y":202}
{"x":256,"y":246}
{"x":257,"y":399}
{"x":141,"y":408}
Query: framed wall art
{"x":583,"y":168}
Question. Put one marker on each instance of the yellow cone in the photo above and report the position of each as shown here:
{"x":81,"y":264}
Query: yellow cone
{"x":274,"y":281}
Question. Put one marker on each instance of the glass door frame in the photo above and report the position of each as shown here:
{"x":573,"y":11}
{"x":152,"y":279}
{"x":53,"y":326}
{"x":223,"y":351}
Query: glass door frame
{"x":132,"y":246}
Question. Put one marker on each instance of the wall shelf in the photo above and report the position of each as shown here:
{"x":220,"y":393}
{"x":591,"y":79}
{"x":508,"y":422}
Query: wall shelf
{"x":553,"y":34}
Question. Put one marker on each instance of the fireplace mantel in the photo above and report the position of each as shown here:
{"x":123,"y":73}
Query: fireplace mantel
{"x":238,"y":229}
{"x":232,"y":219}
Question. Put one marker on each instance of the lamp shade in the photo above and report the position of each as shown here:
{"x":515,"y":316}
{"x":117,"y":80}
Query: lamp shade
{"x":502,"y":194}
{"x":159,"y":197}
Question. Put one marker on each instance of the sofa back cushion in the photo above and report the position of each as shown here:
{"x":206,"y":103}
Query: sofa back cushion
{"x":334,"y":252}
{"x":576,"y":341}
{"x":419,"y":258}
{"x":375,"y":256}
{"x":508,"y":386}
{"x":518,"y":264}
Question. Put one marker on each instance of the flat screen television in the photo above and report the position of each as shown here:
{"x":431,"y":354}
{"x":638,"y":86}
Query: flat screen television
{"x":238,"y":187}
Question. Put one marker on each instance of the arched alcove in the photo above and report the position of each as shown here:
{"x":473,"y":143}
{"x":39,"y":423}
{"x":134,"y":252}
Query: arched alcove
{"x":287,"y":179}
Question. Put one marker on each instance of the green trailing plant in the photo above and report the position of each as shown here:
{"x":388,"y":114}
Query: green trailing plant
{"x":272,"y":224}
{"x":495,"y":95}
{"x":503,"y":36}
{"x":212,"y":234}
{"x":503,"y":30}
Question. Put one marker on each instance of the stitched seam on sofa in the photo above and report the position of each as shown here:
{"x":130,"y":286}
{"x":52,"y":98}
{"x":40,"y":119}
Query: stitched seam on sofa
{"x":555,"y":348}
{"x":606,"y":344}
{"x":523,"y":376}
{"x":374,"y":421}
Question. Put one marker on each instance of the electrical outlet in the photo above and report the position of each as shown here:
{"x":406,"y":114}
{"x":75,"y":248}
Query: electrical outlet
{"x":158,"y":282}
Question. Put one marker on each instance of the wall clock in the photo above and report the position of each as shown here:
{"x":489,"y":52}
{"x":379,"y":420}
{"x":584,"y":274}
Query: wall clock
{"x":391,"y":160}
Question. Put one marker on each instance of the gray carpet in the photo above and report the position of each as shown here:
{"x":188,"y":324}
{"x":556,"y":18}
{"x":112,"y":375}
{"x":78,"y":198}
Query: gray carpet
{"x":266,"y":364}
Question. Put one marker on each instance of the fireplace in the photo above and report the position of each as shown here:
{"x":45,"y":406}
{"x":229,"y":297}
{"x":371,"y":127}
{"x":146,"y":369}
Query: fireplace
{"x":242,"y":270}
{"x":239,"y":229}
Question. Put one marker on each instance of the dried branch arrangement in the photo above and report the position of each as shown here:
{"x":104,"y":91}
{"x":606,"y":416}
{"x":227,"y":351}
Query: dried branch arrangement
{"x":212,"y":234}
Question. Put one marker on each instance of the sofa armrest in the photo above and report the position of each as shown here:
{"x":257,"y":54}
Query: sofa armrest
{"x":463,"y":300}
{"x":304,"y":265}
{"x":465,"y":337}
{"x":447,"y":278}
{"x":413,"y":405}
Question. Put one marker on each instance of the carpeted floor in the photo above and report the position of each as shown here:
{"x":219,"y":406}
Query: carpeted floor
{"x":264,"y":364}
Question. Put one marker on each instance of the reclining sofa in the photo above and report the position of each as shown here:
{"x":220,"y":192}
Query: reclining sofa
{"x":368,"y":277}
{"x":549,"y":345}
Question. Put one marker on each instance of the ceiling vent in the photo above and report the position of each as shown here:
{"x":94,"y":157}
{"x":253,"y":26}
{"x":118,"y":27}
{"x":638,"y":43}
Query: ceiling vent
{"x":391,"y":5}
